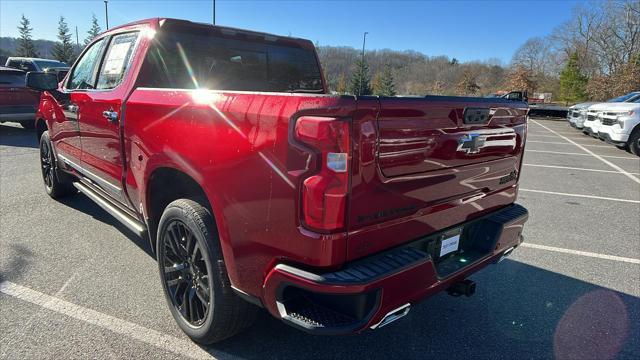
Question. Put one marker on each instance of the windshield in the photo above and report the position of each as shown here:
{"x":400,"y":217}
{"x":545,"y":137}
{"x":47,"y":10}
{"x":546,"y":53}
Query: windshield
{"x":634,"y":99}
{"x":625,"y":97}
{"x":192,"y":59}
{"x":45,"y":64}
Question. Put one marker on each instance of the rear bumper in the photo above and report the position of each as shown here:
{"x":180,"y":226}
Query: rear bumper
{"x":364,"y":293}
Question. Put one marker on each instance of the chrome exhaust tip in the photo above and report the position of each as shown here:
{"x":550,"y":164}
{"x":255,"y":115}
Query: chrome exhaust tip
{"x":393,"y":315}
{"x":506,"y":253}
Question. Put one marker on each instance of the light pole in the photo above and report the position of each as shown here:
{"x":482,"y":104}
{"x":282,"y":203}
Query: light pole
{"x":364,"y":41}
{"x":214,"y":12}
{"x":106,"y":13}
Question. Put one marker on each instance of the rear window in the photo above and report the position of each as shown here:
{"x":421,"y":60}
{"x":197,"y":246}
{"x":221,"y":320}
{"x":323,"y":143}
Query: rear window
{"x":191,"y":59}
{"x":12,"y":78}
{"x":45,"y":64}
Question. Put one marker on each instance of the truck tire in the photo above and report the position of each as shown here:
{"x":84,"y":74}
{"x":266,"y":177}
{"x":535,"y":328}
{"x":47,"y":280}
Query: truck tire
{"x":634,"y":141}
{"x":194,"y":277}
{"x":56,"y":185}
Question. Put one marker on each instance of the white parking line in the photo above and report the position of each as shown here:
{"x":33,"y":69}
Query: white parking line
{"x":581,"y":253}
{"x":134,"y":331}
{"x":582,"y":196}
{"x":575,"y":168}
{"x":530,"y":135}
{"x":562,"y":143}
{"x":581,"y":154}
{"x":630,"y":176}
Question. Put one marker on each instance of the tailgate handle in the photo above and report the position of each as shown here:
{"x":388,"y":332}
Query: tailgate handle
{"x":476,"y":115}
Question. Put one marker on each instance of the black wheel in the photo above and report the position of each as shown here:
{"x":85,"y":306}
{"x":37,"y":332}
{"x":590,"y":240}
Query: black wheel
{"x":194,"y":277}
{"x":634,"y":141}
{"x":55,"y":185}
{"x":30,"y":125}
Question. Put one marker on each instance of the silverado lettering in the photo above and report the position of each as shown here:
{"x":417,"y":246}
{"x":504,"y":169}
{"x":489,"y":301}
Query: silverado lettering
{"x":225,"y":149}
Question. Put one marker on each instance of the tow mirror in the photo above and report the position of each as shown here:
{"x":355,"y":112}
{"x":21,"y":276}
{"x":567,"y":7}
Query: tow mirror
{"x":42,"y":81}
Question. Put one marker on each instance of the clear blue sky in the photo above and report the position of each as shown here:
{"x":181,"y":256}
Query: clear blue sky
{"x":466,"y":30}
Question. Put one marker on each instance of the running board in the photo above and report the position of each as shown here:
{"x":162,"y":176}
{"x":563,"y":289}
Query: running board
{"x":127,"y":220}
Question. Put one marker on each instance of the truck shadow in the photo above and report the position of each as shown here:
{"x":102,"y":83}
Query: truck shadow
{"x":17,"y":136}
{"x":85,"y":205}
{"x":18,"y":262}
{"x":519,"y":311}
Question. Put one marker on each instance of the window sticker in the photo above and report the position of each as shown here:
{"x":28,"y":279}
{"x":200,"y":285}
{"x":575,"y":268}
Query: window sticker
{"x":117,"y":54}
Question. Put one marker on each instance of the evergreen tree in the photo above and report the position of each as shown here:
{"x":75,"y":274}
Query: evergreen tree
{"x":63,"y":50}
{"x":93,"y":31}
{"x":360,"y":80}
{"x":385,"y":84}
{"x":26,"y":47}
{"x":572,"y":83}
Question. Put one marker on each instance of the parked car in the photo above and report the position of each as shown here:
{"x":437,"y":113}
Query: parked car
{"x":620,"y":125}
{"x":18,"y":103}
{"x":36,"y":64}
{"x":256,"y":187}
{"x":577,"y":114}
{"x":591,"y":124}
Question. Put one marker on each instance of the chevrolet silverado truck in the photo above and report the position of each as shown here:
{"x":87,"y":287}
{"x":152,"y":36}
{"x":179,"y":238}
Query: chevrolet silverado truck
{"x":256,"y":187}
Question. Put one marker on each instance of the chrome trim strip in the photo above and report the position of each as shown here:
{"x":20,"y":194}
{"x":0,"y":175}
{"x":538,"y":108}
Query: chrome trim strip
{"x":393,"y":315}
{"x":132,"y":224}
{"x":93,"y":177}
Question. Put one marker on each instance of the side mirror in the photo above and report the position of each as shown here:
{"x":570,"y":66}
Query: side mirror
{"x":42,"y":81}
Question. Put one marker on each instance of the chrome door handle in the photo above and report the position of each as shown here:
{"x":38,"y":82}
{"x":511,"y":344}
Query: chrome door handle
{"x":110,"y":115}
{"x":73,"y":108}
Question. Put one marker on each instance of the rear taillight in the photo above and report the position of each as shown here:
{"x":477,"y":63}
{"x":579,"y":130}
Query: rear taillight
{"x":324,"y":194}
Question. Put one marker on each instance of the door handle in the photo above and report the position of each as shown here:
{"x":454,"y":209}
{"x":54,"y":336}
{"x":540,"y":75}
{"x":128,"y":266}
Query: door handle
{"x":73,"y":108}
{"x":110,"y":115}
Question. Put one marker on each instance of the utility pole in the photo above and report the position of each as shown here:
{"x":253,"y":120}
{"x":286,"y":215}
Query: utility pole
{"x":77,"y":39}
{"x":364,"y":40}
{"x":214,"y":12}
{"x":106,"y":13}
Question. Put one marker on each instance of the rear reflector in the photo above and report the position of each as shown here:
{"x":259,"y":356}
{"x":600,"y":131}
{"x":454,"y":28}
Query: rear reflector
{"x":324,"y":194}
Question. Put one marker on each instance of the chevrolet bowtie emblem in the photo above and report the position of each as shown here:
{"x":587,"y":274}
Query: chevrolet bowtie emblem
{"x":471,"y":143}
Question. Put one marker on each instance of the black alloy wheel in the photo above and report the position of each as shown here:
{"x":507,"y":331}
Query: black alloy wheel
{"x":56,"y":183}
{"x":46,"y":163}
{"x":185,"y":274}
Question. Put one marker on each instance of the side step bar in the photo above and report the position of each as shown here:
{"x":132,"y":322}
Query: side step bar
{"x":127,"y":220}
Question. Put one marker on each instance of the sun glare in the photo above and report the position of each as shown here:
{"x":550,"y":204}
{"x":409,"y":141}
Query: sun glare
{"x":204,"y":96}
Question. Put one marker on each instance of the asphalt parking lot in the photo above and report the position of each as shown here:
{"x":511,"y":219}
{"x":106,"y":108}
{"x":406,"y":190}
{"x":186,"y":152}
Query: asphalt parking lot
{"x":74,"y":283}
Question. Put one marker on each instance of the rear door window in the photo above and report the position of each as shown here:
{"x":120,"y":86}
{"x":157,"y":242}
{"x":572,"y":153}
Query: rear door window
{"x":116,"y":61}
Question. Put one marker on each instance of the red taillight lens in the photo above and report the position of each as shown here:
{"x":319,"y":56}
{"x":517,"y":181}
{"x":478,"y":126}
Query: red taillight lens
{"x":324,"y":195}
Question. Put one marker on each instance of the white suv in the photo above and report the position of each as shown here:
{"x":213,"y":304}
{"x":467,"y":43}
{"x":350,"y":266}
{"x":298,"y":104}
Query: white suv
{"x":577,"y":114}
{"x":592,"y":122}
{"x":620,"y":125}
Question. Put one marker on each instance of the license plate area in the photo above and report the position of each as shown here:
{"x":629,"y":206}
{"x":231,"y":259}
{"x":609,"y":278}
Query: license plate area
{"x":474,"y":241}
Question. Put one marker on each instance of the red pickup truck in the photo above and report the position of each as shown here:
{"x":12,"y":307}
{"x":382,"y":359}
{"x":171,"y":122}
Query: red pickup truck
{"x":256,"y":187}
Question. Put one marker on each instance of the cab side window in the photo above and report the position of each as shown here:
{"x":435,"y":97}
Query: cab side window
{"x":14,"y":64}
{"x":28,"y":66}
{"x":117,"y":60}
{"x":83,"y":75}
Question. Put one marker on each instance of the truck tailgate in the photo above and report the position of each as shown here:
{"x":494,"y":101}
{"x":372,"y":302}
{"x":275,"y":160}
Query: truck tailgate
{"x":420,"y":166}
